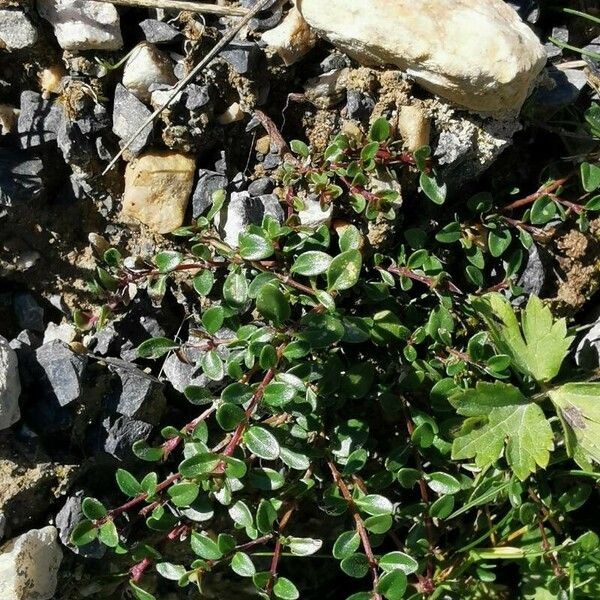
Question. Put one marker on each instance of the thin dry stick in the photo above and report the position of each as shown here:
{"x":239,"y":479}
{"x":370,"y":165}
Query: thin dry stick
{"x":199,"y":7}
{"x":229,"y":35}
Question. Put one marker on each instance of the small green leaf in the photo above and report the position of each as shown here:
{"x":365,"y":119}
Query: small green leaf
{"x":398,"y":560}
{"x":242,"y":564}
{"x":300,"y":148}
{"x":84,"y":533}
{"x":241,"y":514}
{"x":183,"y":494}
{"x":344,"y":270}
{"x":93,"y":509}
{"x":375,"y":504}
{"x":442,"y":483}
{"x":203,"y":282}
{"x":498,"y":241}
{"x":235,"y":289}
{"x":108,"y":534}
{"x":218,"y":199}
{"x":393,"y":585}
{"x":145,"y":452}
{"x":265,"y":516}
{"x":285,"y":589}
{"x":590,"y":177}
{"x":170,"y":571}
{"x":303,"y":546}
{"x":128,"y":484}
{"x":168,"y":260}
{"x":434,"y":190}
{"x":204,"y":547}
{"x":312,"y":263}
{"x":212,"y":366}
{"x":156,"y":347}
{"x":254,"y":246}
{"x":272,"y":304}
{"x":262,"y":443}
{"x":355,"y":565}
{"x":229,"y":416}
{"x":213,"y":318}
{"x":380,"y":130}
{"x":199,"y":464}
{"x":346,"y":544}
{"x":139,"y":593}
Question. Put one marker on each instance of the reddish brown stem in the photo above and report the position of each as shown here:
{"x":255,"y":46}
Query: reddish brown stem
{"x":544,"y":190}
{"x":360,"y":527}
{"x":424,"y":279}
{"x":138,"y":569}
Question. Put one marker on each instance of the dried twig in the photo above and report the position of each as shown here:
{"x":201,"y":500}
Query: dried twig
{"x":199,"y":7}
{"x":225,"y":40}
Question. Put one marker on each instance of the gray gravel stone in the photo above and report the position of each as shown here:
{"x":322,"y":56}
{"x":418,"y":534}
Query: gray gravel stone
{"x":243,"y":56}
{"x":359,"y":106}
{"x":181,"y":374}
{"x":140,"y":397}
{"x":158,"y":32}
{"x":208,"y":183}
{"x":39,"y":120}
{"x":534,"y":275}
{"x":30,"y":315}
{"x":16,"y":30}
{"x":261,"y":186}
{"x":10,"y":385}
{"x":196,"y":96}
{"x":20,"y":177}
{"x":63,"y":369}
{"x":129,"y":114}
{"x":122,"y":433}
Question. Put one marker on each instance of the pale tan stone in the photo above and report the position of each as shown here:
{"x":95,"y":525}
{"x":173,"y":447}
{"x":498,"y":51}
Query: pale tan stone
{"x":414,"y":127}
{"x":157,"y":189}
{"x":476,"y":53}
{"x":29,"y":566}
{"x":147,"y":65}
{"x":292,"y":38}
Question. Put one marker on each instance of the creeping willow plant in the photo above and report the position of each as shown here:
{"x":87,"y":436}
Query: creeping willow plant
{"x":388,"y":409}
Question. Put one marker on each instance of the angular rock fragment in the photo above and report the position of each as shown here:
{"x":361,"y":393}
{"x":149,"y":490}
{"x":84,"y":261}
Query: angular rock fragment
{"x":63,"y":369}
{"x":587,"y":354}
{"x":29,"y":565}
{"x":208,"y":183}
{"x":129,"y":114}
{"x":83,"y":24}
{"x":30,"y":315}
{"x":20,"y":177}
{"x":414,"y":127}
{"x":292,"y":38}
{"x":158,"y":32}
{"x":147,"y":66}
{"x":533,"y":278}
{"x":140,"y":397}
{"x":182,"y":374}
{"x":10,"y":385}
{"x":39,"y":120}
{"x":16,"y":30}
{"x":476,"y":53}
{"x":158,"y":186}
{"x":243,"y":56}
{"x":121,"y":434}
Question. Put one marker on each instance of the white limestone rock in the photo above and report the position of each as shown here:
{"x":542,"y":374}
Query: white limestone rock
{"x":29,"y":565}
{"x":83,"y":24}
{"x":147,"y":66}
{"x":10,"y":386}
{"x":476,"y":53}
{"x":16,"y":30}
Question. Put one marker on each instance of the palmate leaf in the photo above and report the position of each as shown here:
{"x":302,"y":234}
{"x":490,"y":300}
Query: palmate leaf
{"x":503,"y":422}
{"x":538,"y":346}
{"x":578,"y":406}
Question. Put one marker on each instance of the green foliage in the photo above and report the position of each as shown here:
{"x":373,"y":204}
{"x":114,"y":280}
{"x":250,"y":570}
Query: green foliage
{"x":370,"y":409}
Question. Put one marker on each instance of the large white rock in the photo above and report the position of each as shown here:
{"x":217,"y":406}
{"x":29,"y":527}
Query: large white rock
{"x":29,"y":565}
{"x":10,"y":386}
{"x":16,"y":30}
{"x":146,"y":66}
{"x":83,"y":24}
{"x":476,"y":53}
